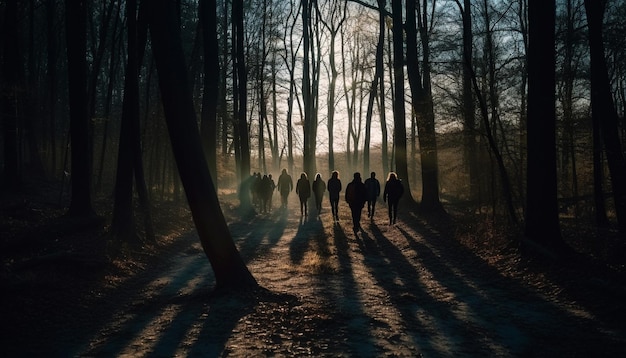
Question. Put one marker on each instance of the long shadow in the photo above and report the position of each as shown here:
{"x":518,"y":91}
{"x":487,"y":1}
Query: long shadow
{"x":168,"y":302}
{"x":347,"y":296}
{"x":309,"y":228}
{"x":256,"y":237}
{"x":461,"y":316}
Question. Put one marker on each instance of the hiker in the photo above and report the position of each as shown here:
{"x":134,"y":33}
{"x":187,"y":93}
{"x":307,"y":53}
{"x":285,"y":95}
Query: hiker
{"x":393,"y":192}
{"x":334,"y":187}
{"x":271,"y":195}
{"x":256,"y":190}
{"x":372,"y":186}
{"x":265,"y":192}
{"x":303,"y":189}
{"x":319,"y":187}
{"x":285,"y":186}
{"x":356,"y":197}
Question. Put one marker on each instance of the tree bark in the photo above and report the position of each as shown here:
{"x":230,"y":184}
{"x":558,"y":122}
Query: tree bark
{"x":208,"y":20}
{"x":230,"y":270}
{"x":80,"y":205}
{"x":399,"y":120}
{"x":10,"y":98}
{"x":603,"y":109}
{"x":542,"y":217}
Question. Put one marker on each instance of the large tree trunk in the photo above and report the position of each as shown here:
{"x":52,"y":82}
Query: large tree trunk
{"x":423,"y":106}
{"x":242,"y":82}
{"x":79,"y":117}
{"x":51,"y":68}
{"x":310,"y":120}
{"x":469,"y":119}
{"x":230,"y":270}
{"x":603,"y":109}
{"x":9,"y":97}
{"x":130,"y":160}
{"x":399,"y":120}
{"x":208,"y":126}
{"x":542,"y":217}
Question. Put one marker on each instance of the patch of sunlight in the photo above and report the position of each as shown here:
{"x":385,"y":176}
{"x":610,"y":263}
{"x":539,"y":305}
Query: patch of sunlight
{"x":145,"y":340}
{"x":317,"y":264}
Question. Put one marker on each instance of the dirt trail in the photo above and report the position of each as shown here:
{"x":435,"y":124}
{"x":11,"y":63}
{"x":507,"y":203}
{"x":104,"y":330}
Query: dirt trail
{"x":404,"y":290}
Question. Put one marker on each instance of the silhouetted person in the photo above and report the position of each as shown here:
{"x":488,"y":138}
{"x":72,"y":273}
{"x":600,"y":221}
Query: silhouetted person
{"x":265,"y":192}
{"x":372,"y":186}
{"x":285,"y":186}
{"x":334,"y":187}
{"x":256,"y":189}
{"x":303,"y":189}
{"x":271,"y":196}
{"x":393,"y":192}
{"x":319,"y":187}
{"x":245,"y":191}
{"x":356,"y":196}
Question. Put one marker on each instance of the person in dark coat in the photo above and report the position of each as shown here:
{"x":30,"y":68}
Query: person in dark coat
{"x":285,"y":186}
{"x":372,"y":186}
{"x":392,"y":194}
{"x":356,"y":196}
{"x":334,"y":187}
{"x":303,"y":189}
{"x":265,"y":192}
{"x":271,"y":196}
{"x":319,"y":187}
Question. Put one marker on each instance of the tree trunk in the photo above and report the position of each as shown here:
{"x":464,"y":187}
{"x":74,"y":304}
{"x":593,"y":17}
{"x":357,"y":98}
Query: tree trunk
{"x":230,"y":270}
{"x":10,"y":97}
{"x":208,"y":20}
{"x":79,"y":116}
{"x":542,"y":217}
{"x":469,"y":120}
{"x":399,"y":120}
{"x":603,"y":109}
{"x":242,"y":87}
{"x":310,"y":121}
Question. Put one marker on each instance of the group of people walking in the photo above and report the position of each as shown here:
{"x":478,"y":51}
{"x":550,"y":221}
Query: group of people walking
{"x":357,"y":193}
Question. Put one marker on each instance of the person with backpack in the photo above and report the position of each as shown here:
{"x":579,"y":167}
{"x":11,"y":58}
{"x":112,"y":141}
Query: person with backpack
{"x":303,"y":189}
{"x":284,"y":187}
{"x":372,"y":186}
{"x":392,"y":194}
{"x":356,"y":196}
{"x":319,"y":187}
{"x":334,"y":187}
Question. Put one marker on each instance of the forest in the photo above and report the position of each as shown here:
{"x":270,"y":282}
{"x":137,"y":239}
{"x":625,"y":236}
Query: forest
{"x":130,"y":127}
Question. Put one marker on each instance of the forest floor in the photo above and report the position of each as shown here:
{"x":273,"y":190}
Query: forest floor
{"x":428,"y":287}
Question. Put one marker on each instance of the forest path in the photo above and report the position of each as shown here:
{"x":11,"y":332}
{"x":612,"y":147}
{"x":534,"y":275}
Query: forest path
{"x":403,"y":290}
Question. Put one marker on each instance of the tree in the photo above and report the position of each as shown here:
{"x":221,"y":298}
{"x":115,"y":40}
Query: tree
{"x":208,"y":20}
{"x":378,"y":77}
{"x":75,"y":30}
{"x":308,"y":91}
{"x":9,"y":96}
{"x":130,"y":161}
{"x":420,"y":83}
{"x":230,"y":270}
{"x":470,"y":149}
{"x":603,"y":109}
{"x":399,"y":120}
{"x":241,"y":74}
{"x":337,"y":16}
{"x":542,"y":217}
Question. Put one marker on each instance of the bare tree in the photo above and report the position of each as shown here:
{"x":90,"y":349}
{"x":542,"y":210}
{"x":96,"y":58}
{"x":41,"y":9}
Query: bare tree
{"x":399,"y":120}
{"x":230,"y":270}
{"x":208,"y":20}
{"x":75,"y":28}
{"x":603,"y":109}
{"x":336,"y":17}
{"x":542,"y":217}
